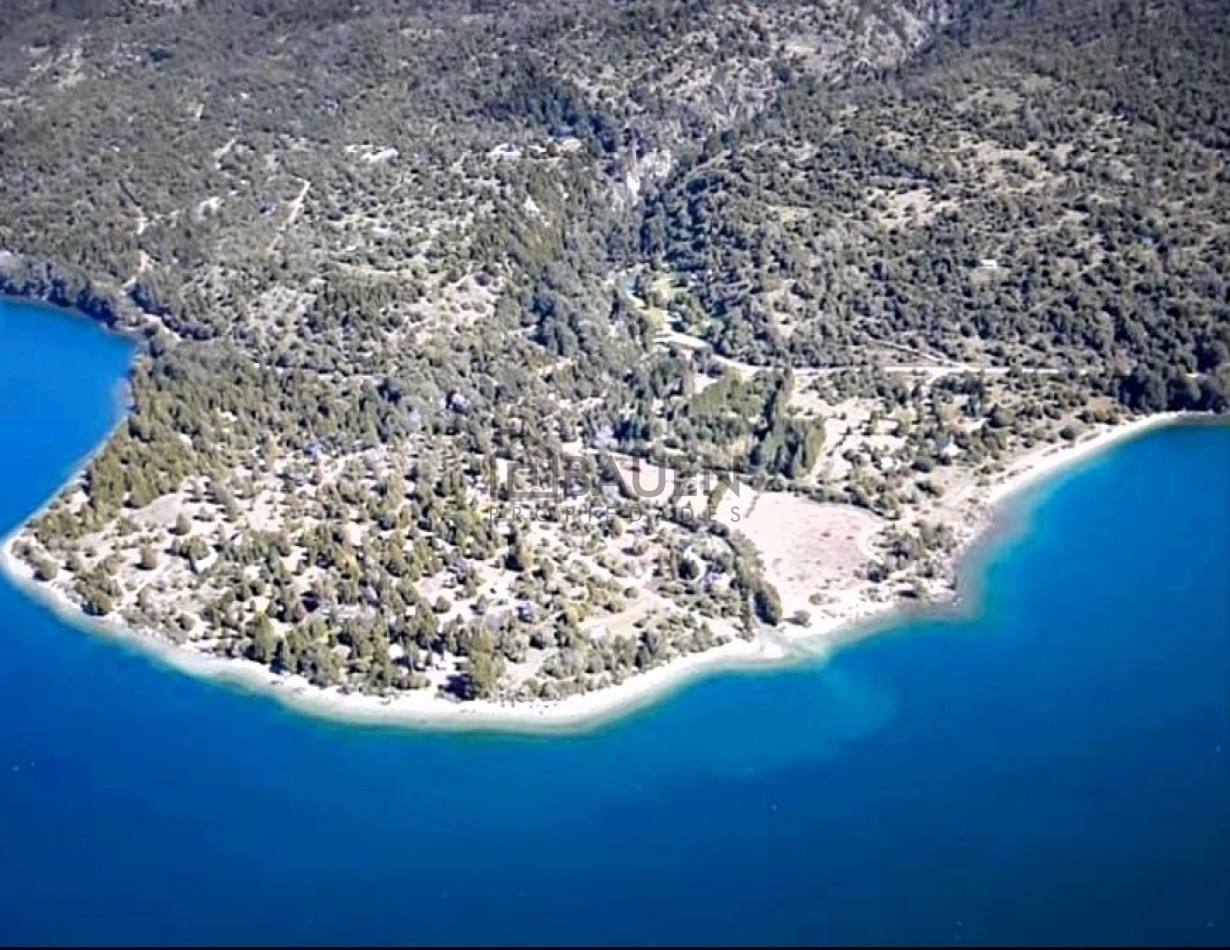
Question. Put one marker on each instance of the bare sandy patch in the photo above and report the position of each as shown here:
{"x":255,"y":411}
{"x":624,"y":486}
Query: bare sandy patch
{"x":808,"y":547}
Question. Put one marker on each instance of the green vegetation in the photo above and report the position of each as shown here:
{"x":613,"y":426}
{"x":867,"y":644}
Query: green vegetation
{"x":1045,"y":187}
{"x":391,"y":269}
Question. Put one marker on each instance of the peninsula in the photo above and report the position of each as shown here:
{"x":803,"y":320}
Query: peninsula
{"x":511,"y":366}
{"x":855,"y":605}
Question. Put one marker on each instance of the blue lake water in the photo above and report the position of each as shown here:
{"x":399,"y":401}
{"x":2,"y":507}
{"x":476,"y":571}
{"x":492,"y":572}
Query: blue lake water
{"x":1055,"y":769}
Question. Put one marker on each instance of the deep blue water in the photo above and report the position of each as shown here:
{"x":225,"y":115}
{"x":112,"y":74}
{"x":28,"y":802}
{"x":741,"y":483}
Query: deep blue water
{"x":1054,"y":770}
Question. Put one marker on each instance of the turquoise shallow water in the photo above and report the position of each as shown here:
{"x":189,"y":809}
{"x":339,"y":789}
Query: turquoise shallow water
{"x":1054,"y":769}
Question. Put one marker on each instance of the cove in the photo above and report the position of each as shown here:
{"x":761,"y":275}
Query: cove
{"x":1052,"y":768}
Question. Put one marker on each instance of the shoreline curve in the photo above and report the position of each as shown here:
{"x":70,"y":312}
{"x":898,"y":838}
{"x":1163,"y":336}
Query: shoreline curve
{"x":586,"y":711}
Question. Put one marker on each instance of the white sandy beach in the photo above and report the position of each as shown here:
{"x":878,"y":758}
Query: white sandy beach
{"x":790,"y":643}
{"x":1050,"y":460}
{"x":420,"y":708}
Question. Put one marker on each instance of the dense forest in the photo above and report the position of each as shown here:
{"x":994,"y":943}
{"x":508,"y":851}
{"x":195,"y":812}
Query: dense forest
{"x":1045,"y":186}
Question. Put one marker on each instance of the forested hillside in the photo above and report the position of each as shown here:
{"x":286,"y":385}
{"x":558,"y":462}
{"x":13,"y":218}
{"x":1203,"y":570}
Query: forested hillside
{"x":1047,"y":186}
{"x":382,"y":257}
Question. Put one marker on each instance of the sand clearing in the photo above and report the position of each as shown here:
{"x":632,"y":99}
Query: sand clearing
{"x":808,"y":547}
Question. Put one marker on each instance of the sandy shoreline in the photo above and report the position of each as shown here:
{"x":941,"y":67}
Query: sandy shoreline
{"x":425,"y":710}
{"x":1050,"y":460}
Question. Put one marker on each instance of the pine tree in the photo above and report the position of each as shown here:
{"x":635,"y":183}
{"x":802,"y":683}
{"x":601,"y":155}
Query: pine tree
{"x":147,"y":559}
